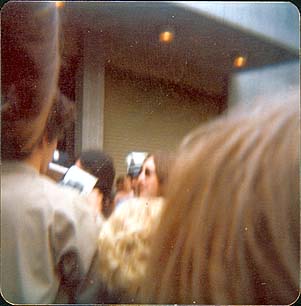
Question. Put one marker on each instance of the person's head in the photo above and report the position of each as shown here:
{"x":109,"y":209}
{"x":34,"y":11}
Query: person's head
{"x":230,"y":230}
{"x":61,"y":116}
{"x":123,"y":183}
{"x":101,"y":165}
{"x":126,"y":239}
{"x":29,"y":74}
{"x":133,"y":173}
{"x":134,"y":184}
{"x":153,"y":174}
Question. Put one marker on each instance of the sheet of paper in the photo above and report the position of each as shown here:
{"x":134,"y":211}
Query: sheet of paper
{"x":79,"y":179}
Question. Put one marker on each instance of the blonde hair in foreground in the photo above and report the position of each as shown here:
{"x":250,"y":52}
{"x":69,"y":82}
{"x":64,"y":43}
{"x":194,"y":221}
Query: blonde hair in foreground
{"x":230,"y":229}
{"x":124,"y":241}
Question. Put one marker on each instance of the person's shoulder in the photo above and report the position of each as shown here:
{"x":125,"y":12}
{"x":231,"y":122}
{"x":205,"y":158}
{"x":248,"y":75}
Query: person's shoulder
{"x":118,"y":196}
{"x":52,"y":187}
{"x":63,"y":197}
{"x":70,"y":207}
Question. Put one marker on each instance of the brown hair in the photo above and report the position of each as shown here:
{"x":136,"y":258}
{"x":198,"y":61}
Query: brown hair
{"x":230,"y":230}
{"x":60,"y":118}
{"x":29,"y":73}
{"x":163,"y":161}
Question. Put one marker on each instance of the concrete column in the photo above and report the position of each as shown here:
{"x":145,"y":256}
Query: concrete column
{"x":93,"y":94}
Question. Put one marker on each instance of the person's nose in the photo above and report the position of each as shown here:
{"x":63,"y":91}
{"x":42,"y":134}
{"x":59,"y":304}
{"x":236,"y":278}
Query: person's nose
{"x":141,"y":178}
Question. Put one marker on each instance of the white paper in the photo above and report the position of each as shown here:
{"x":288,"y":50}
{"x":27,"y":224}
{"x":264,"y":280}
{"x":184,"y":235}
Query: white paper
{"x":79,"y":179}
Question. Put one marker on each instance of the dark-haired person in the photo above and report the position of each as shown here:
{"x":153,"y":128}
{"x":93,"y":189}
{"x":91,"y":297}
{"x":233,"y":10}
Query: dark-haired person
{"x":48,"y":235}
{"x":101,"y":165}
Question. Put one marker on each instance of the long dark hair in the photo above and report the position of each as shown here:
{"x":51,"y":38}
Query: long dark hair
{"x":101,"y":165}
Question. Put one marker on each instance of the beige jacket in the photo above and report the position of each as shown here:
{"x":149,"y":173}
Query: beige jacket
{"x":48,"y":239}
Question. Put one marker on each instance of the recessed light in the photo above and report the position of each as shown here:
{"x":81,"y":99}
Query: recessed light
{"x":240,"y":61}
{"x":166,"y":36}
{"x":59,"y":4}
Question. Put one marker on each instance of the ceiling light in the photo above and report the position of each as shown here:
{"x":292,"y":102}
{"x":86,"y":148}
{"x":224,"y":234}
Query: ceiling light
{"x":59,"y":4}
{"x":240,"y":61}
{"x":166,"y":36}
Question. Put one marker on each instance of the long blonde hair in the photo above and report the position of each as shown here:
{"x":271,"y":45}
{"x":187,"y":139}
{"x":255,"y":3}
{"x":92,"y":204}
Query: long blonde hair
{"x":229,"y":232}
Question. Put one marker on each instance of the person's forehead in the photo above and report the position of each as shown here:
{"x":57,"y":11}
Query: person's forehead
{"x":150,"y":163}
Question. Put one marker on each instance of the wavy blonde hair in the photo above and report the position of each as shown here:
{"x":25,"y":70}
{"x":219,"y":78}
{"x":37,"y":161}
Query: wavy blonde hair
{"x":124,"y":243}
{"x":230,"y":227}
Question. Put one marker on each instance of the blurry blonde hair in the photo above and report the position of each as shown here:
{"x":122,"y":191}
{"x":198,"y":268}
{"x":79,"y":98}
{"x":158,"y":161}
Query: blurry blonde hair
{"x":124,"y":242}
{"x":230,"y":227}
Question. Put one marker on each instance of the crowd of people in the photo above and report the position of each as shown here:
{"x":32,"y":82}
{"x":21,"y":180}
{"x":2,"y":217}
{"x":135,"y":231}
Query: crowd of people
{"x":215,"y":222}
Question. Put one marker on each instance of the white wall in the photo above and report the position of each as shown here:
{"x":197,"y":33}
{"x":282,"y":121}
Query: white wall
{"x":276,"y":21}
{"x":276,"y":81}
{"x":145,"y":116}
